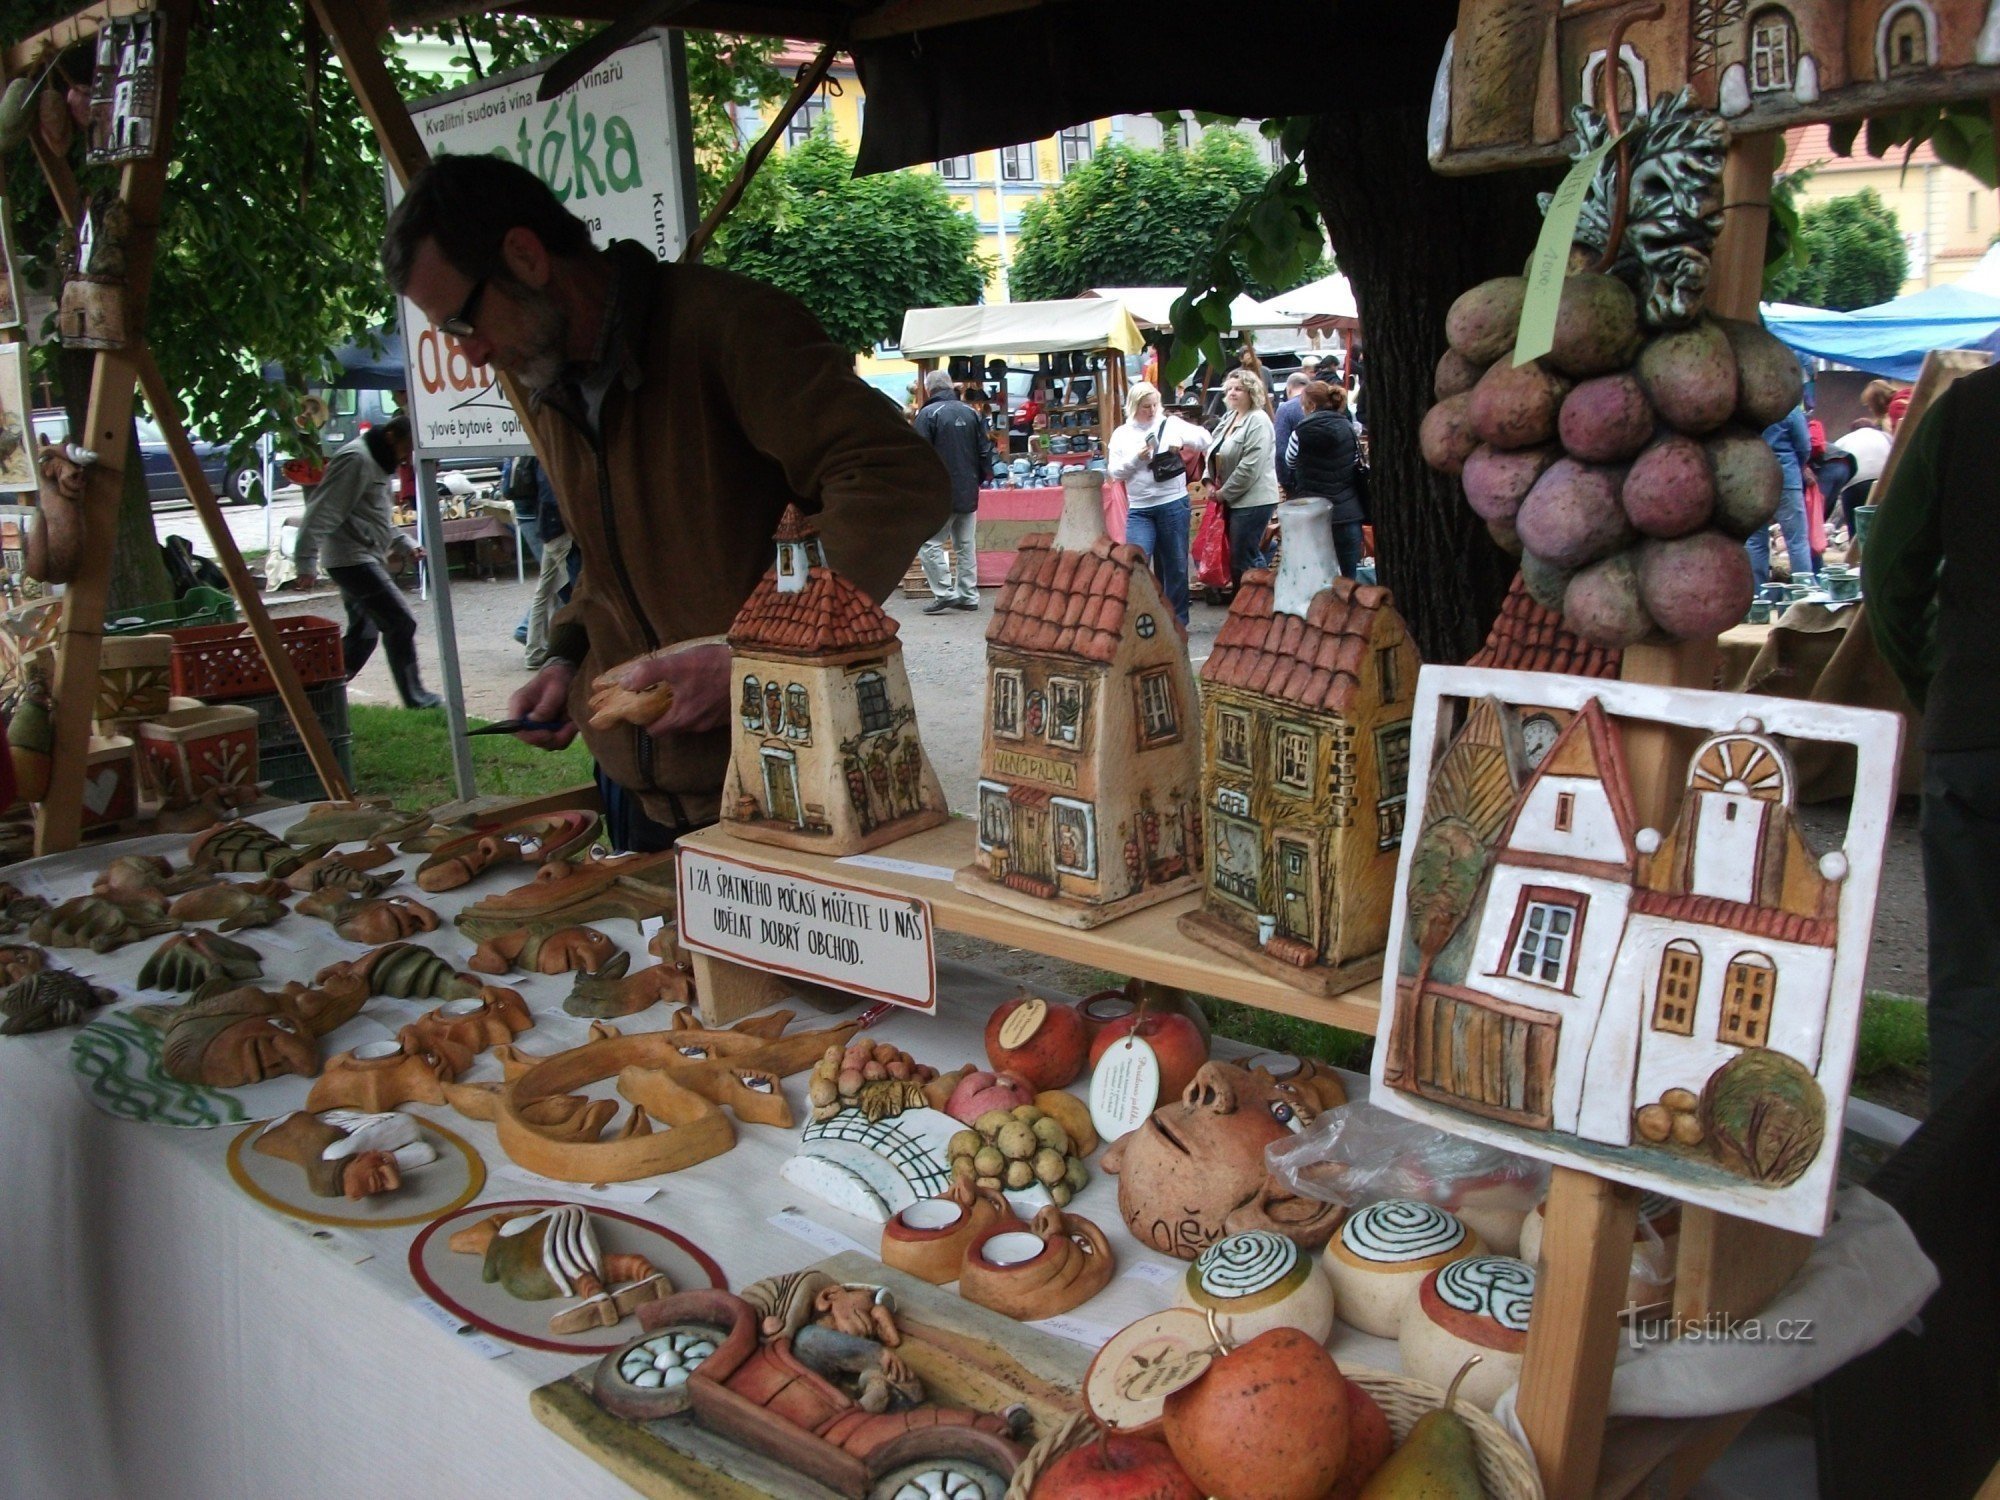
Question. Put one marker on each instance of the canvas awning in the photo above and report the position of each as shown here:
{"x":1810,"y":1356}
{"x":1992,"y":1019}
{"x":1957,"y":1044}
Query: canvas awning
{"x":1891,"y":338}
{"x":1328,"y":302}
{"x":1084,"y":323}
{"x":1153,"y":306}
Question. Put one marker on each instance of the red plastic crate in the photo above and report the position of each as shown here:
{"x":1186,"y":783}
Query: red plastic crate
{"x":214,"y":662}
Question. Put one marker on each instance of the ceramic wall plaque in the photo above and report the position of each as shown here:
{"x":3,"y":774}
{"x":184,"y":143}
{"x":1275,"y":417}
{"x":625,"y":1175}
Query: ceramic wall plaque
{"x":1306,"y":723}
{"x":1090,"y":768}
{"x":1670,"y":1007}
{"x":824,"y":753}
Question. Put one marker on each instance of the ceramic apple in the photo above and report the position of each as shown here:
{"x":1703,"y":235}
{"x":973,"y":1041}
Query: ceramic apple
{"x":1175,"y":1040}
{"x":1053,"y":1053}
{"x":1116,"y":1467}
{"x":981,"y":1093}
{"x":1369,"y":1443}
{"x":1268,"y":1421}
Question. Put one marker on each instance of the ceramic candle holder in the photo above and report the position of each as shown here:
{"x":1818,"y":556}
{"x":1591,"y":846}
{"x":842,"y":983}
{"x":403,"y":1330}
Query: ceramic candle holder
{"x":1382,"y":1253}
{"x":1058,"y":1263}
{"x":1476,"y":1306}
{"x":1257,"y":1281}
{"x":929,"y":1238}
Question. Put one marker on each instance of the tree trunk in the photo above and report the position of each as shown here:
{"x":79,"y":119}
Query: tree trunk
{"x":1410,"y":241}
{"x":138,"y":572}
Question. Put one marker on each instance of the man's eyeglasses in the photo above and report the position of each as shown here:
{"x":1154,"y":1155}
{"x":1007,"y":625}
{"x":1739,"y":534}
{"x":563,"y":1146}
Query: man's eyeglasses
{"x":459,"y":324}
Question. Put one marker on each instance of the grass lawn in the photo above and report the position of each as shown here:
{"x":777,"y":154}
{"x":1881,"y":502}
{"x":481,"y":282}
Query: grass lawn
{"x":405,"y":754}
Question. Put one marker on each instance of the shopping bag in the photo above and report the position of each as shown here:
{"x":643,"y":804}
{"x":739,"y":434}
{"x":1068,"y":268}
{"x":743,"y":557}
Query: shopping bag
{"x":1211,"y":548}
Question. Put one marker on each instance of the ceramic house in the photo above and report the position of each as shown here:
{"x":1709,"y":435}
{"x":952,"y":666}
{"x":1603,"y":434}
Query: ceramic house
{"x":824,"y":754}
{"x":1089,"y":775}
{"x":1517,"y":67}
{"x":1306,"y":732}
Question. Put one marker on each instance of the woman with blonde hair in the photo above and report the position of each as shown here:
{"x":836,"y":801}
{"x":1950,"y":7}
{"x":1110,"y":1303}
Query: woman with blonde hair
{"x":1146,"y":456}
{"x":1243,"y":470}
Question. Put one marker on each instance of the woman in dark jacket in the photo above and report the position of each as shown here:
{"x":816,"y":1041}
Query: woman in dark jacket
{"x":1322,"y":452}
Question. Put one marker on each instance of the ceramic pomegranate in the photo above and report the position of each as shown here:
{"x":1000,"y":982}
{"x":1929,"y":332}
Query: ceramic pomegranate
{"x":1269,"y":1421}
{"x":1042,"y":1044}
{"x":1116,"y":1467}
{"x":980,"y":1094}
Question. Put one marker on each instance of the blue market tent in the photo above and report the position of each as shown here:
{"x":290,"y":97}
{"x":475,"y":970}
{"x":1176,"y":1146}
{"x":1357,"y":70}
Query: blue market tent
{"x":1892,"y":338}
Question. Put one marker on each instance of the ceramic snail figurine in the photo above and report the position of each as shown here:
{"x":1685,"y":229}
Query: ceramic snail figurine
{"x":1256,"y":1281}
{"x":1477,"y":1306}
{"x":353,"y":822}
{"x":230,"y":906}
{"x":1059,"y":1262}
{"x":459,"y":1030}
{"x":1383,"y":1253}
{"x":1195,"y":1170}
{"x":928,"y":1240}
{"x":99,"y":923}
{"x":145,"y":877}
{"x":345,"y":872}
{"x":188,"y":960}
{"x":565,"y":950}
{"x":553,"y":1252}
{"x":379,"y":1076}
{"x":50,"y":998}
{"x":611,"y":992}
{"x":545,"y":838}
{"x":383,"y":919}
{"x":403,"y":971}
{"x":243,"y":848}
{"x":344,"y":1154}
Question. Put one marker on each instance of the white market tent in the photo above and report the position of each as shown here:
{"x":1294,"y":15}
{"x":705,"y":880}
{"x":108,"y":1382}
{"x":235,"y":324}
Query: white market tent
{"x":1083,"y":323}
{"x":1326,"y":302}
{"x":1153,"y":306}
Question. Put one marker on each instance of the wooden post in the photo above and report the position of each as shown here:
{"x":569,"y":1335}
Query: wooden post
{"x":108,"y":429}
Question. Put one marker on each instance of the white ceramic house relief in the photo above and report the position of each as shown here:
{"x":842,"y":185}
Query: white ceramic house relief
{"x":1675,"y":1008}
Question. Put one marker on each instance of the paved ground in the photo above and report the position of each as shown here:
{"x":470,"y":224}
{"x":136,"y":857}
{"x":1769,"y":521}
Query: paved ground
{"x":945,"y":655}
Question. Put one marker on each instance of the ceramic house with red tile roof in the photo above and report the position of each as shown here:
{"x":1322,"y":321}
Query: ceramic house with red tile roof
{"x":1306,"y":730}
{"x":824,"y":754}
{"x":1089,"y":774}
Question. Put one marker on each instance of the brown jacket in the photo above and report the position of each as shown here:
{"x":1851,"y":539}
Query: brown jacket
{"x":731,"y":404}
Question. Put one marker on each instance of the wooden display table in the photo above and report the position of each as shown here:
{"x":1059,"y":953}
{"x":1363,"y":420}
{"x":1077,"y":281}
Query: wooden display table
{"x":1145,"y":945}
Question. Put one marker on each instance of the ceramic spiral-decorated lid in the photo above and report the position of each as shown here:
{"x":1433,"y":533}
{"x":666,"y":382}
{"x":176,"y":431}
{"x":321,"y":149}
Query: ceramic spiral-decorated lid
{"x":1243,"y":1272}
{"x":1484,"y":1299}
{"x":1397,"y":1233}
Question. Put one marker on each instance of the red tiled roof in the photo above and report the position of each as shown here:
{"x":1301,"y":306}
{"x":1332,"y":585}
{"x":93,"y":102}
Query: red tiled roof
{"x":793,"y":526}
{"x":828,"y":614}
{"x":1529,"y":638}
{"x":1314,"y":662}
{"x":1068,"y":603}
{"x":1751,"y":921}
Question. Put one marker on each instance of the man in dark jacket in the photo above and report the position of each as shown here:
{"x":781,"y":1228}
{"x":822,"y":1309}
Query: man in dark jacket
{"x":674,"y":455}
{"x":959,"y":435}
{"x":1934,"y":607}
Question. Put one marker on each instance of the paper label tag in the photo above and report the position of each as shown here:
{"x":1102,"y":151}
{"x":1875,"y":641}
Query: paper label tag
{"x":485,"y":1347}
{"x":1124,"y":1088}
{"x":1023,"y":1022}
{"x":1153,"y":1272}
{"x":1550,"y":262}
{"x":1144,"y":1363}
{"x":816,"y":1234}
{"x":1076,"y":1330}
{"x":898,"y":866}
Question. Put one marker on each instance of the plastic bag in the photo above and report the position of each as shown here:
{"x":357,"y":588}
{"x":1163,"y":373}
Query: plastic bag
{"x":1359,"y":1154}
{"x":1211,"y":548}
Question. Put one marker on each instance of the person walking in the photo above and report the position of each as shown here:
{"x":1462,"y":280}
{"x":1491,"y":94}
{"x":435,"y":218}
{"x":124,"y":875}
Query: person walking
{"x":1323,"y":451}
{"x":558,"y":570}
{"x":958,"y":432}
{"x":1290,"y":410}
{"x":1933,"y":606}
{"x":1792,"y":443}
{"x":350,"y":522}
{"x":1147,"y":456}
{"x":1243,"y":471}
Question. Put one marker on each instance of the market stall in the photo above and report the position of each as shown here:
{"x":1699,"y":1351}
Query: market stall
{"x":1072,"y":355}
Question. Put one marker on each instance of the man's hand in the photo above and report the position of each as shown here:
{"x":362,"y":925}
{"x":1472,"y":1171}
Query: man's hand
{"x":700,"y":677}
{"x":545,"y":697}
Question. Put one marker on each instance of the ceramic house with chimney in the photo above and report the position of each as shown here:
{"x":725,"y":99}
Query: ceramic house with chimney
{"x":1517,"y":67}
{"x":1306,"y":733}
{"x":824,"y":754}
{"x":1567,"y":973}
{"x":1089,"y":774}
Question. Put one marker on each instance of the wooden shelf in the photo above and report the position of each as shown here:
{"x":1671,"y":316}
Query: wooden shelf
{"x":1146,"y":945}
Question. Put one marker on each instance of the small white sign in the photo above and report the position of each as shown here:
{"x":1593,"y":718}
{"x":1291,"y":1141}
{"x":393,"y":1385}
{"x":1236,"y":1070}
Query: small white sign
{"x":874,"y":943}
{"x":1124,"y":1087}
{"x":816,"y":1234}
{"x":451,"y":1323}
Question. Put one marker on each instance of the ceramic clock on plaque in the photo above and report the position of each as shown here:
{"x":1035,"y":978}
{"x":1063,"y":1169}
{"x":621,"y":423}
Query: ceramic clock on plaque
{"x":1089,"y":774}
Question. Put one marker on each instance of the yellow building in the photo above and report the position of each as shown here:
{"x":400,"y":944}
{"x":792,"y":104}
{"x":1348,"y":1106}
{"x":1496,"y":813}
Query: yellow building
{"x":1947,"y":218}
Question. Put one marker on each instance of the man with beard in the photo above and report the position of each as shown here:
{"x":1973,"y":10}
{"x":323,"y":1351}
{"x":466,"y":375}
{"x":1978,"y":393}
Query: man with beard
{"x":674,"y":454}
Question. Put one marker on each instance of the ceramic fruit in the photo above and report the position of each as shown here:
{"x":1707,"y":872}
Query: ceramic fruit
{"x":1043,"y":1044}
{"x":1478,"y":1306}
{"x":1073,"y":1115}
{"x":1384,"y":1251}
{"x":1438,"y":1460}
{"x":1179,"y":1045}
{"x":1268,"y":1421}
{"x":1115,"y":1467}
{"x":1017,"y":1150}
{"x":1370,"y":1441}
{"x":982,"y":1093}
{"x":929,"y":1238}
{"x":874,"y":1077}
{"x":1258,"y":1280}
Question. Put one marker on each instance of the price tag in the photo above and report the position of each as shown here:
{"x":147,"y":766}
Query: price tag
{"x":1023,"y":1021}
{"x":1145,"y":1362}
{"x":1124,"y":1088}
{"x":832,"y":1241}
{"x":1076,"y":1330}
{"x":1550,"y":262}
{"x":1155,"y":1274}
{"x":437,"y":1316}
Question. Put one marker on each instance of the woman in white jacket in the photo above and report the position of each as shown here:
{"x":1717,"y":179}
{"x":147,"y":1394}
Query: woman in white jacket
{"x":1156,"y":508}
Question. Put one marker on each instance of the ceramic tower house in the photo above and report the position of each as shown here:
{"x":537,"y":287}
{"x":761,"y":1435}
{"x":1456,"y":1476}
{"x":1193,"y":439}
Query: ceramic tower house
{"x":1089,"y":777}
{"x":824,"y":755}
{"x":1306,"y":730}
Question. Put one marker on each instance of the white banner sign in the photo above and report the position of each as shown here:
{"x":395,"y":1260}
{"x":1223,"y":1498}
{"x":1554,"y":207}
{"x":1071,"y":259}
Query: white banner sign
{"x":609,"y":148}
{"x":873,"y":943}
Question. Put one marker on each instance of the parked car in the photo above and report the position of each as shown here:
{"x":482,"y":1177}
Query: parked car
{"x":163,"y":480}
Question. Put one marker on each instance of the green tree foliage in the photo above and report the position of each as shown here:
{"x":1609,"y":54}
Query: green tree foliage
{"x":859,"y":252}
{"x":1849,"y":253}
{"x":1134,"y":217}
